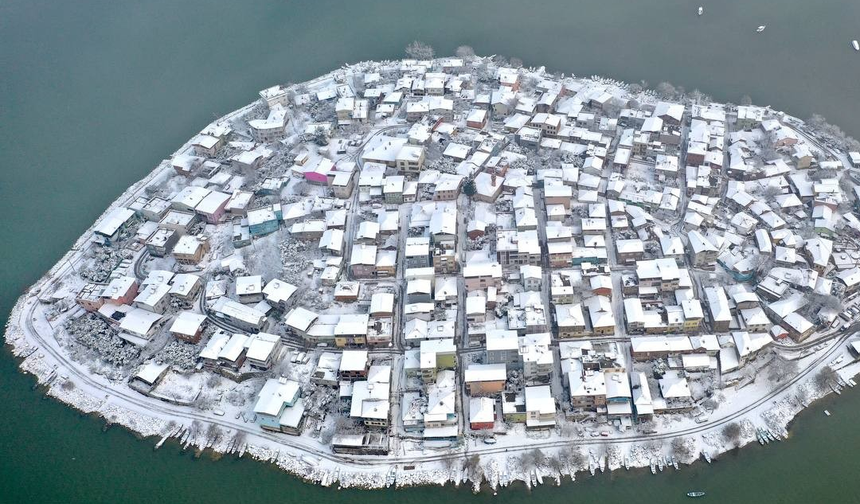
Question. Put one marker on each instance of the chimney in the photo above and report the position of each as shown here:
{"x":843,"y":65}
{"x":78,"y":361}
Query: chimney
{"x":494,"y":179}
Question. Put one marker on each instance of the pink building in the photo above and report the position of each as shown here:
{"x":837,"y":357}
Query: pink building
{"x":121,"y":291}
{"x":318,"y":172}
{"x":213,"y":206}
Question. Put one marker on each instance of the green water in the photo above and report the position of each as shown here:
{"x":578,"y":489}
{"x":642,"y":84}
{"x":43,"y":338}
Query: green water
{"x":94,"y":93}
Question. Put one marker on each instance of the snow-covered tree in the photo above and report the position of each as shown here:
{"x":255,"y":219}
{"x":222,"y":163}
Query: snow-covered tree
{"x":465,"y":52}
{"x":420,"y":50}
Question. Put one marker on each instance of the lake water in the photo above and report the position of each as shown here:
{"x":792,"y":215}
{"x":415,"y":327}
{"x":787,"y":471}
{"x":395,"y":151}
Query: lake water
{"x":94,"y":93}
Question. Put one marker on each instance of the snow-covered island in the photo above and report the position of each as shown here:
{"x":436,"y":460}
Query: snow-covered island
{"x":456,"y":269}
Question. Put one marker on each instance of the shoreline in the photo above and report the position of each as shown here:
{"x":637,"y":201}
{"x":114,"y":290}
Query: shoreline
{"x":300,"y":459}
{"x":347,"y":473}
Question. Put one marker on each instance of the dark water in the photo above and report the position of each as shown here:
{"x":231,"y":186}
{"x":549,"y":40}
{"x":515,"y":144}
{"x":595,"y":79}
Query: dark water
{"x":93,"y":93}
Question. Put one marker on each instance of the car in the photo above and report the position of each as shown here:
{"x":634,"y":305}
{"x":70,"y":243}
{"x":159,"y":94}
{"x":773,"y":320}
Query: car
{"x":489,"y":440}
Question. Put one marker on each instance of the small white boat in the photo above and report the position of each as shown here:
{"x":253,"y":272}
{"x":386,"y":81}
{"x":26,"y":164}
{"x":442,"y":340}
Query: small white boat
{"x":761,"y":28}
{"x":701,"y":11}
{"x":855,"y":45}
{"x":826,"y":412}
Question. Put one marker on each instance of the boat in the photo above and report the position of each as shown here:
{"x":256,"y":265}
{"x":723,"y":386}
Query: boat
{"x":675,"y":463}
{"x":855,"y":45}
{"x":707,"y":457}
{"x":701,"y":11}
{"x":760,"y":28}
{"x":826,"y":412}
{"x":653,"y":468}
{"x":695,"y":494}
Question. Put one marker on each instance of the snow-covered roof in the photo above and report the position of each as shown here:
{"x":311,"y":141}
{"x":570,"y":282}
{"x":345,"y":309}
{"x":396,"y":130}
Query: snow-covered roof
{"x":187,"y":323}
{"x":114,"y":220}
{"x":485,"y":372}
{"x":278,"y":291}
{"x":353,"y":360}
{"x":139,"y":321}
{"x":261,"y":345}
{"x":275,"y":394}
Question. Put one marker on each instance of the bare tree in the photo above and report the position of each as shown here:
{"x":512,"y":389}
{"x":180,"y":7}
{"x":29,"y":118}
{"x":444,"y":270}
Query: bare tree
{"x":681,"y":448}
{"x":516,"y":62}
{"x":556,"y":464}
{"x":817,"y":302}
{"x":699,"y":97}
{"x":420,"y":50}
{"x":746,"y":100}
{"x":465,"y":52}
{"x":577,"y":459}
{"x":450,"y":463}
{"x":527,"y":460}
{"x":472,"y":465}
{"x":827,"y":377}
{"x":238,"y":439}
{"x":732,"y":433}
{"x":213,"y":433}
{"x":666,"y":90}
{"x":781,"y":368}
{"x":539,"y":457}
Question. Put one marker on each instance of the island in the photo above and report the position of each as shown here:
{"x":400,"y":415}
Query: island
{"x":462,"y":270}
